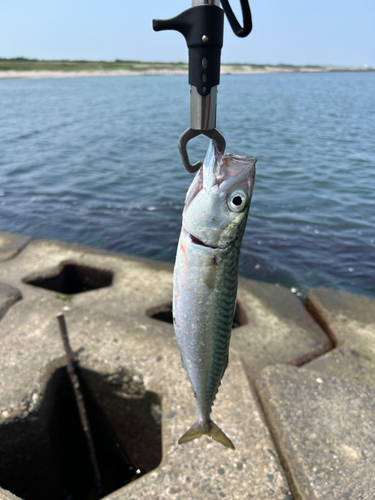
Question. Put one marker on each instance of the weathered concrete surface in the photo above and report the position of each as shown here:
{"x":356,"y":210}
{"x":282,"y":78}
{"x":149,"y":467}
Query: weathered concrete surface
{"x":350,"y":320}
{"x":8,"y":296}
{"x":11,"y":244}
{"x":325,"y":430}
{"x":110,"y":329}
{"x":322,"y":416}
{"x":7,"y":495}
{"x":279,"y":331}
{"x":203,"y":469}
{"x":279,"y":328}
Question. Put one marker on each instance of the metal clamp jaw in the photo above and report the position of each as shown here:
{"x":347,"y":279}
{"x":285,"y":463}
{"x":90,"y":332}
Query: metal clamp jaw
{"x":190,"y":133}
{"x":203,"y":28}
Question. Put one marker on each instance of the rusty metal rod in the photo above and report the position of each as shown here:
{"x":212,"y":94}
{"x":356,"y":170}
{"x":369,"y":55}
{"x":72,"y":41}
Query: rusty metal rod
{"x":73,"y":375}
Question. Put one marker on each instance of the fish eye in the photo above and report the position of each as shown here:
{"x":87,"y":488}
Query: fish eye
{"x":237,"y":201}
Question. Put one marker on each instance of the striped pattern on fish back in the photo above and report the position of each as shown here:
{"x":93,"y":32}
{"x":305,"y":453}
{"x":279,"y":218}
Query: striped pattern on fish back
{"x":222,"y":320}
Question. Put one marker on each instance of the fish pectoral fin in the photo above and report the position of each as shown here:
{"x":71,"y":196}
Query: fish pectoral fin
{"x":209,"y":271}
{"x":208,"y":429}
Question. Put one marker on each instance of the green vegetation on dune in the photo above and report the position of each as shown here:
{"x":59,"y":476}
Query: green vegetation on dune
{"x":23,"y":64}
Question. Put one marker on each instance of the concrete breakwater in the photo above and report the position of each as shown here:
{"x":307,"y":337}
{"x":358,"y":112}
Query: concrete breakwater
{"x":297,"y":398}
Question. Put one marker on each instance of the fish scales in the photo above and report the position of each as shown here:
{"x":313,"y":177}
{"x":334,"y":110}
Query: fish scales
{"x":205,"y":277}
{"x":211,"y":315}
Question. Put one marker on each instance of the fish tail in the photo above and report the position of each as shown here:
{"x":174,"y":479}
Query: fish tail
{"x":206,"y":429}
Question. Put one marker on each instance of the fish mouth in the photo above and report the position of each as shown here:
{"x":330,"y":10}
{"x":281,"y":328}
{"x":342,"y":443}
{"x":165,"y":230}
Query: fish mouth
{"x":197,"y":241}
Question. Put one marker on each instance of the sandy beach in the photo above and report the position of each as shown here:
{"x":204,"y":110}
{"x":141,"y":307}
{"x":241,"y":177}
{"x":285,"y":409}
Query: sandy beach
{"x":226,"y":69}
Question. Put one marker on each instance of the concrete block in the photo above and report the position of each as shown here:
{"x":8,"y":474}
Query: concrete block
{"x":8,"y":296}
{"x":11,"y":244}
{"x":350,"y":321}
{"x":7,"y":495}
{"x":279,"y":328}
{"x":324,"y":428}
{"x":131,"y":355}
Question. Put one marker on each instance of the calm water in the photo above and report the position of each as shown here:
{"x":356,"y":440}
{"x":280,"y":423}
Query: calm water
{"x":95,"y":161}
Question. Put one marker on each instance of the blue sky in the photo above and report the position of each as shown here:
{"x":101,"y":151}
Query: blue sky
{"x":291,"y":31}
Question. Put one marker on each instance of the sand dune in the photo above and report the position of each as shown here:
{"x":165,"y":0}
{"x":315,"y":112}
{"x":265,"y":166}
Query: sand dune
{"x":225,"y":70}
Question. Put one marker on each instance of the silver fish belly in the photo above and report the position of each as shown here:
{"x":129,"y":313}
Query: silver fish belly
{"x":205,"y":277}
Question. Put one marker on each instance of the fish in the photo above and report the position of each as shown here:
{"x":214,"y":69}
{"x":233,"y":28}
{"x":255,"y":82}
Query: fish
{"x":206,"y":276}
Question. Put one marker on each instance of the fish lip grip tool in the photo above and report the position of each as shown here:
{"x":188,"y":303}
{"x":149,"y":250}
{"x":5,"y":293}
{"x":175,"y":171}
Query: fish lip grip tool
{"x":203,"y":28}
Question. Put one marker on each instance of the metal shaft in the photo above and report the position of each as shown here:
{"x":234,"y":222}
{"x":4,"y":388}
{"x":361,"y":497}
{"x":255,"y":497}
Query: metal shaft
{"x":206,"y":2}
{"x":73,"y":375}
{"x":203,"y":109}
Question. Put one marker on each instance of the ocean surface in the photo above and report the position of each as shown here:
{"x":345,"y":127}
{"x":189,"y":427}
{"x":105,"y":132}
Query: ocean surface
{"x":95,"y":161}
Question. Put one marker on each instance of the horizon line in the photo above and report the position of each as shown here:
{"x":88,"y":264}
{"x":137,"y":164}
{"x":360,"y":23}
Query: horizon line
{"x":26,"y":59}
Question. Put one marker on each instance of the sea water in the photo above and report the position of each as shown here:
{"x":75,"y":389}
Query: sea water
{"x":95,"y":161}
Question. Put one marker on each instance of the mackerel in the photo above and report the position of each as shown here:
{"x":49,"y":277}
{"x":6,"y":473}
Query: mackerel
{"x":206,"y":274}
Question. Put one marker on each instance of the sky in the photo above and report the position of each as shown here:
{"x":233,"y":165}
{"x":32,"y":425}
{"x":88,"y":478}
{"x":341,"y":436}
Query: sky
{"x":291,"y":31}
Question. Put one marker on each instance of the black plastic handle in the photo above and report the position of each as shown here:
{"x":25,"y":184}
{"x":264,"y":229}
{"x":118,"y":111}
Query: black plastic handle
{"x":246,"y":16}
{"x":203,"y":29}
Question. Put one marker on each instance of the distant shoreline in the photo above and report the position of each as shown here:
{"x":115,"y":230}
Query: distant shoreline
{"x":28,"y":68}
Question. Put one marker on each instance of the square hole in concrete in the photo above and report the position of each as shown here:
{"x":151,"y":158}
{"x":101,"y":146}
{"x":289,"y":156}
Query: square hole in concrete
{"x":71,"y":277}
{"x":44,"y":456}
